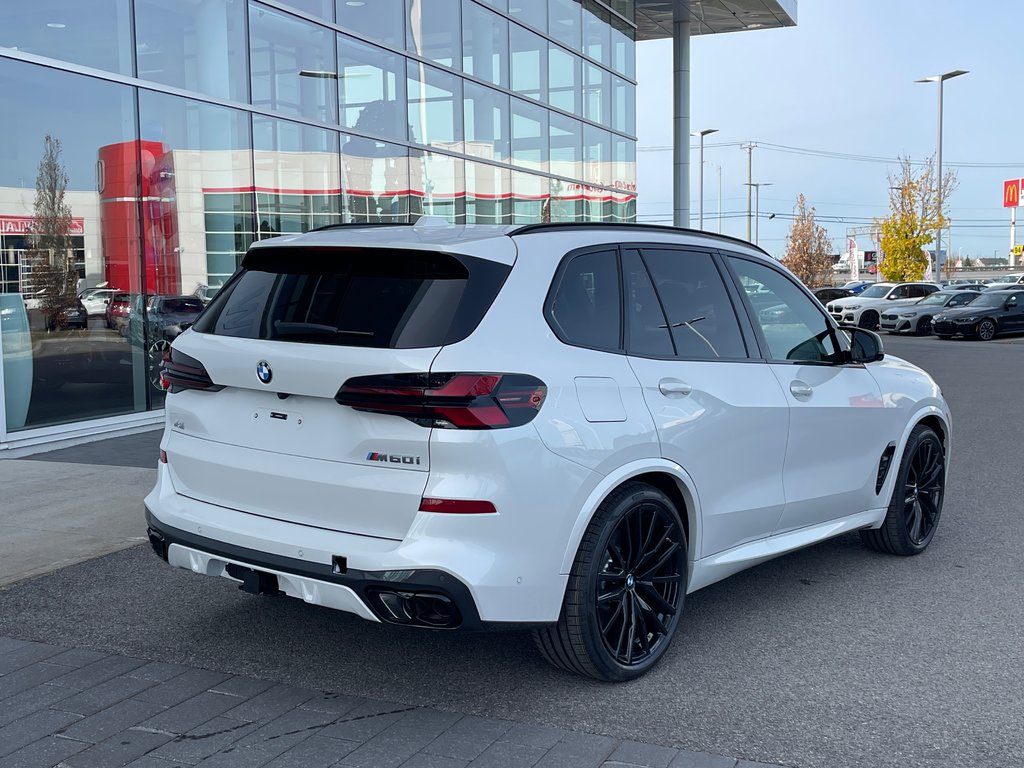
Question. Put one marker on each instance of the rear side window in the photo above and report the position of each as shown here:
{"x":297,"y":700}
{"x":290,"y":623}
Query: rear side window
{"x":181,"y":305}
{"x":355,"y":297}
{"x":584,"y":309}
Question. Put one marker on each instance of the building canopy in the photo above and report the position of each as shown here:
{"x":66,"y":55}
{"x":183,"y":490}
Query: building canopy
{"x":711,"y":17}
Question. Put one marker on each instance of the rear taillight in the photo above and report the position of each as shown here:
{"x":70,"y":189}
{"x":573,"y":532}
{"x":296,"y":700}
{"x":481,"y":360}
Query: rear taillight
{"x":449,"y":400}
{"x":180,"y":372}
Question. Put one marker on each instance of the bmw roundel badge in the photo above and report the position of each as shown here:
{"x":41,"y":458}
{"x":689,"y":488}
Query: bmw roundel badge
{"x":264,"y":372}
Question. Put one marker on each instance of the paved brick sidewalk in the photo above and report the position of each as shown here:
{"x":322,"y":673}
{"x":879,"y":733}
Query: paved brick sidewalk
{"x":85,"y":709}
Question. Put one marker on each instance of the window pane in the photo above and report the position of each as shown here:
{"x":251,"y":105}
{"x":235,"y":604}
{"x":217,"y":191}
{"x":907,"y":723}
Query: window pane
{"x":380,"y":20}
{"x":529,"y":63}
{"x":376,"y":180}
{"x":793,"y":323}
{"x":648,"y":333}
{"x":439,"y":184}
{"x":435,"y":107}
{"x":324,"y":9}
{"x":529,"y":135}
{"x":371,"y":84}
{"x":488,"y":194}
{"x":434,"y":30}
{"x":564,"y":17}
{"x":585,"y":311}
{"x":623,"y":48}
{"x":200,"y":47}
{"x":704,"y":325}
{"x":597,"y":95}
{"x":597,"y":32}
{"x":597,"y":149}
{"x":623,"y":163}
{"x":298,"y":176}
{"x":205,"y":166}
{"x":96,"y":34}
{"x":487,"y":122}
{"x":623,"y":106}
{"x":501,"y":5}
{"x":485,"y":44}
{"x":566,"y":201}
{"x":564,"y":80}
{"x":626,"y":8}
{"x":530,"y":201}
{"x":566,"y":146}
{"x":532,"y":12}
{"x":293,"y":65}
{"x":82,"y":231}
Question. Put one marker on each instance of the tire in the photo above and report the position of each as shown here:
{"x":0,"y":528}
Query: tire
{"x":637,"y":523}
{"x":987,"y":329}
{"x":868,"y":320}
{"x":914,"y":512}
{"x":943,"y":336}
{"x":924,"y":326}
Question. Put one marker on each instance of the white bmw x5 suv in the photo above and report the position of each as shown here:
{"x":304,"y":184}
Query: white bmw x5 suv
{"x":562,"y":427}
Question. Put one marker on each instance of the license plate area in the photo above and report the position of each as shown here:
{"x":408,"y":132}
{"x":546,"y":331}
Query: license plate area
{"x":254,"y":582}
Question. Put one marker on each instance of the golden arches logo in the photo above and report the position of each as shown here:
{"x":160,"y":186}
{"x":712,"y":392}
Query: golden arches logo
{"x":1011,"y":193}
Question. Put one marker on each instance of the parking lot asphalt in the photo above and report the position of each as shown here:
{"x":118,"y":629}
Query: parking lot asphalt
{"x":832,"y":656}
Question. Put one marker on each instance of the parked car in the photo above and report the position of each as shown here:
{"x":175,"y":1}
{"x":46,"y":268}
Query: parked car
{"x":865,"y":309}
{"x":96,"y":300}
{"x":166,"y":318}
{"x":205,"y":293}
{"x":857,"y":286}
{"x":328,"y":424}
{"x":917,"y":318}
{"x":117,"y":311}
{"x":825,"y":295}
{"x":1006,"y":281}
{"x":991,"y":314}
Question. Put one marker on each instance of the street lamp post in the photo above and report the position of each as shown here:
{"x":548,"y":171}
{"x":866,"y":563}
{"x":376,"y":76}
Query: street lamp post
{"x":757,"y":207}
{"x":940,"y":79}
{"x":702,"y":134}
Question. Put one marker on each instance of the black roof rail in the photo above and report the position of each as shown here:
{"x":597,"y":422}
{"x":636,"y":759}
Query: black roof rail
{"x":356,"y":225}
{"x":544,"y":227}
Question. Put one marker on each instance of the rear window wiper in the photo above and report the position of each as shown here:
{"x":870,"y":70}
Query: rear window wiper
{"x":284,"y":328}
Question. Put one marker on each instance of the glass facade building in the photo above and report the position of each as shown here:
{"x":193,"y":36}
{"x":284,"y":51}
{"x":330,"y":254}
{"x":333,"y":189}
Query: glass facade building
{"x":148,"y":143}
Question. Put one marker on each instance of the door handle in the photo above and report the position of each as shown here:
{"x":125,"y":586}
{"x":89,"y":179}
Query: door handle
{"x":800,"y":390}
{"x":674,"y":388}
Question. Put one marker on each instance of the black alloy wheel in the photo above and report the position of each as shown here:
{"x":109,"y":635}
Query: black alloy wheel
{"x":868,"y":320}
{"x":917,"y":497}
{"x":626,"y":589}
{"x":924,"y":326}
{"x":987,"y":330}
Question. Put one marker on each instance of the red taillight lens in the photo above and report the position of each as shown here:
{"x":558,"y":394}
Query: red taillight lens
{"x":180,"y":372}
{"x":457,"y":506}
{"x":449,"y":400}
{"x":163,"y":456}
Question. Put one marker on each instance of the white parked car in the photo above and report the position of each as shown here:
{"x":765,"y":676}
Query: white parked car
{"x":566,"y":427}
{"x":1006,"y":281}
{"x":96,"y":300}
{"x":865,"y":309}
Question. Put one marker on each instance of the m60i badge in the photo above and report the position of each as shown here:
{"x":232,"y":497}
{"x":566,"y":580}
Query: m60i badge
{"x":392,"y":458}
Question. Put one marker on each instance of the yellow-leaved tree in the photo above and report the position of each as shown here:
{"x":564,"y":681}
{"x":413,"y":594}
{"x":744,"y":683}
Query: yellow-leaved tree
{"x":808,"y":248}
{"x":914,"y":216}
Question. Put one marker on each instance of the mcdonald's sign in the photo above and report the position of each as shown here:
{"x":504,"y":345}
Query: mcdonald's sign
{"x":1011,"y":193}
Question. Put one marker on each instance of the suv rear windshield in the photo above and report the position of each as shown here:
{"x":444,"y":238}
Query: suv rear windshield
{"x":355,"y":297}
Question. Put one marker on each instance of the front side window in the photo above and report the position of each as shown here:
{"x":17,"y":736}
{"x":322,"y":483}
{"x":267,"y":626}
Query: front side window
{"x":879,"y":291}
{"x":792,"y":322}
{"x":700,"y":314}
{"x":584,"y":311}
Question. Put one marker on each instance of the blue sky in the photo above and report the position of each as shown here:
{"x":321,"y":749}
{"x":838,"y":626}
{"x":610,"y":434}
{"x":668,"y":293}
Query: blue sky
{"x":843,"y":81}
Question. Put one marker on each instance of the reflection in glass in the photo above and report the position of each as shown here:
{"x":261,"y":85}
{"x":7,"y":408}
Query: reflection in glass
{"x":376,"y":178}
{"x":197,"y":46}
{"x":434,"y":31}
{"x":298,"y":177}
{"x":530,"y":198}
{"x":566,"y":146}
{"x":597,"y":152}
{"x":564,"y":25}
{"x":623,"y":48}
{"x":623,"y":106}
{"x":435,"y":107}
{"x":439,"y":183}
{"x":566,"y":201}
{"x":487,"y":122}
{"x":564,"y":80}
{"x":623,"y":163}
{"x":380,"y":20}
{"x":293,"y":65}
{"x":371,"y":83}
{"x":529,"y":53}
{"x":597,"y":102}
{"x":96,"y":34}
{"x":68,"y":222}
{"x":323,"y":9}
{"x":529,"y":135}
{"x":485,"y":44}
{"x":532,"y":12}
{"x":488,"y":194}
{"x":596,"y":32}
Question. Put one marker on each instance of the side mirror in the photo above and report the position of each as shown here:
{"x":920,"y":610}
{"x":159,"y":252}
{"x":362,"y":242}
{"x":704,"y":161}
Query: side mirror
{"x":1011,"y":302}
{"x":865,"y":346}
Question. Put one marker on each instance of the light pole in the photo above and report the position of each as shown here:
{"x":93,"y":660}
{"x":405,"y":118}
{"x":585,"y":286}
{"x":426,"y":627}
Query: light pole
{"x":702,"y":134}
{"x":940,"y":79}
{"x":757,"y":207}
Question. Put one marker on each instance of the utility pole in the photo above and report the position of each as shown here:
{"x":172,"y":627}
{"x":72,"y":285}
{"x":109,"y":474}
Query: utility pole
{"x":750,"y":184}
{"x":719,"y":198}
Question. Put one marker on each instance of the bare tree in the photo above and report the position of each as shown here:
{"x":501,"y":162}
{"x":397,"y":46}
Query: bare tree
{"x":808,"y":248}
{"x":51,"y":254}
{"x":914,"y":216}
